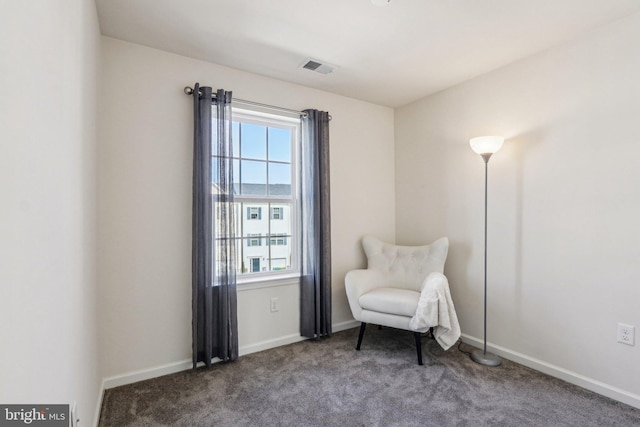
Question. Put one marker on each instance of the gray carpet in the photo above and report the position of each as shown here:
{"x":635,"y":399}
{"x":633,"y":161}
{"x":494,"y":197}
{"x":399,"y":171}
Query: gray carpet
{"x":328,"y":383}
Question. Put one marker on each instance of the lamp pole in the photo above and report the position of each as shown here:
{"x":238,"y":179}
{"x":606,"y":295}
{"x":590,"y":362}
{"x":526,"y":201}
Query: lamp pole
{"x":486,"y":158}
{"x":486,"y":147}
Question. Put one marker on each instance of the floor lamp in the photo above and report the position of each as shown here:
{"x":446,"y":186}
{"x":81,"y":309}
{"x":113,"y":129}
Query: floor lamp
{"x":486,"y":146}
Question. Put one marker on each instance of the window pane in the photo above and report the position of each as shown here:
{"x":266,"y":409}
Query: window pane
{"x":236,"y":177}
{"x":277,"y":212}
{"x":280,"y":144}
{"x":221,"y":213}
{"x":216,"y":187}
{"x":254,"y":141}
{"x":239,"y":252}
{"x":279,"y":264}
{"x":280,"y":219}
{"x":254,"y":177}
{"x":214,"y":174}
{"x":215,"y":169}
{"x":280,"y":241}
{"x":214,"y":135}
{"x":255,"y":228}
{"x":255,"y":265}
{"x":279,"y":179}
{"x":255,"y":219}
{"x":253,"y":240}
{"x":235,"y":137}
{"x":280,"y":246}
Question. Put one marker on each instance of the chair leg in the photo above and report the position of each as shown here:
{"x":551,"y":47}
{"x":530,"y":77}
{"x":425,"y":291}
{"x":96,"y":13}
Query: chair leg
{"x":362,"y":326}
{"x":418,"y":346}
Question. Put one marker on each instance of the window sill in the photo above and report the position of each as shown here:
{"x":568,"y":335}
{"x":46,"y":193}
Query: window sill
{"x":268,"y":282}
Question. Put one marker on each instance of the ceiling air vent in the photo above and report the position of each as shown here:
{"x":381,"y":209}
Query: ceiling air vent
{"x":317,"y":66}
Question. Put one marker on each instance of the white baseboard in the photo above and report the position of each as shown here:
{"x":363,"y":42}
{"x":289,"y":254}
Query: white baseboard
{"x":343,"y":326}
{"x":273,"y":343}
{"x":555,"y":371}
{"x":558,"y":372}
{"x":290,"y":339}
{"x":183,"y":365}
{"x":146,"y":374}
{"x":96,"y":414}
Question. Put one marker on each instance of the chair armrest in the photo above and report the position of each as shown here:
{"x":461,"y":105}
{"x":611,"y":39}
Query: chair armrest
{"x":359,"y":282}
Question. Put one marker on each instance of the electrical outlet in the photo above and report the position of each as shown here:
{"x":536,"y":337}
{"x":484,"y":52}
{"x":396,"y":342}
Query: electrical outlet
{"x":626,"y":334}
{"x":275,"y":304}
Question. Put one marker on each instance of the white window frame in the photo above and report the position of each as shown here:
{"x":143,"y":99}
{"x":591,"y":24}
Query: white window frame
{"x":278,"y":277}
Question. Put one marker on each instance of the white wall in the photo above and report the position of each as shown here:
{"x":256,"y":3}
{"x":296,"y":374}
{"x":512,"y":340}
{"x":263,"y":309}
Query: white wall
{"x":564,"y":202}
{"x":48,"y":324}
{"x":145,"y":201}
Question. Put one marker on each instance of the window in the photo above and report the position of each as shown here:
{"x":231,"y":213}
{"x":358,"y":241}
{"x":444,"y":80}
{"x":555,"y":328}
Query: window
{"x":276,"y":213}
{"x":251,"y":241}
{"x":277,"y":239}
{"x":254,"y":212}
{"x":265,"y":202}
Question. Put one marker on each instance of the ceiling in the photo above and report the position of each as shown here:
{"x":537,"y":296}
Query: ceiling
{"x":389,"y":55}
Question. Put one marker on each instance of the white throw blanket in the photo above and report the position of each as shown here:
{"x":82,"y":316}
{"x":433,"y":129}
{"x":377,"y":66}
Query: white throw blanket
{"x":435,"y":309}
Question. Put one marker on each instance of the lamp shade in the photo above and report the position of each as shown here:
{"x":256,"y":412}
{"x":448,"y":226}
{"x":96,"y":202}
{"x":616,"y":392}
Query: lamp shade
{"x":486,"y":144}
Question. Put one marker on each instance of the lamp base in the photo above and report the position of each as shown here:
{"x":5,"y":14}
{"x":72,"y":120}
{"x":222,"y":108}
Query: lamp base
{"x":486,"y":359}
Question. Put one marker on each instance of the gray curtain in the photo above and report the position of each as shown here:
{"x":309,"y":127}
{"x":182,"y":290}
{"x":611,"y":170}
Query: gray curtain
{"x":214,"y":299}
{"x":315,"y":293}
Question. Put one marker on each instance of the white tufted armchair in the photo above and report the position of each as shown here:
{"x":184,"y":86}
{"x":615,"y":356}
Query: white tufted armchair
{"x":388,"y":291}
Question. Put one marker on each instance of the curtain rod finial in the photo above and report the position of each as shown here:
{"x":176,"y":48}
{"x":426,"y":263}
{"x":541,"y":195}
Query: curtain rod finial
{"x":188,"y":90}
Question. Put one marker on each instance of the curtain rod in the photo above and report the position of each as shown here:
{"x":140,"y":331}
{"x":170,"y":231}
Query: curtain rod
{"x":189,"y":91}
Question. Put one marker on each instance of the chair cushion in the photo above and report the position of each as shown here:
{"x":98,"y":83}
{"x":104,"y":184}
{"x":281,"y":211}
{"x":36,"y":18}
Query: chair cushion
{"x":406,"y":266}
{"x":402,"y":302}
